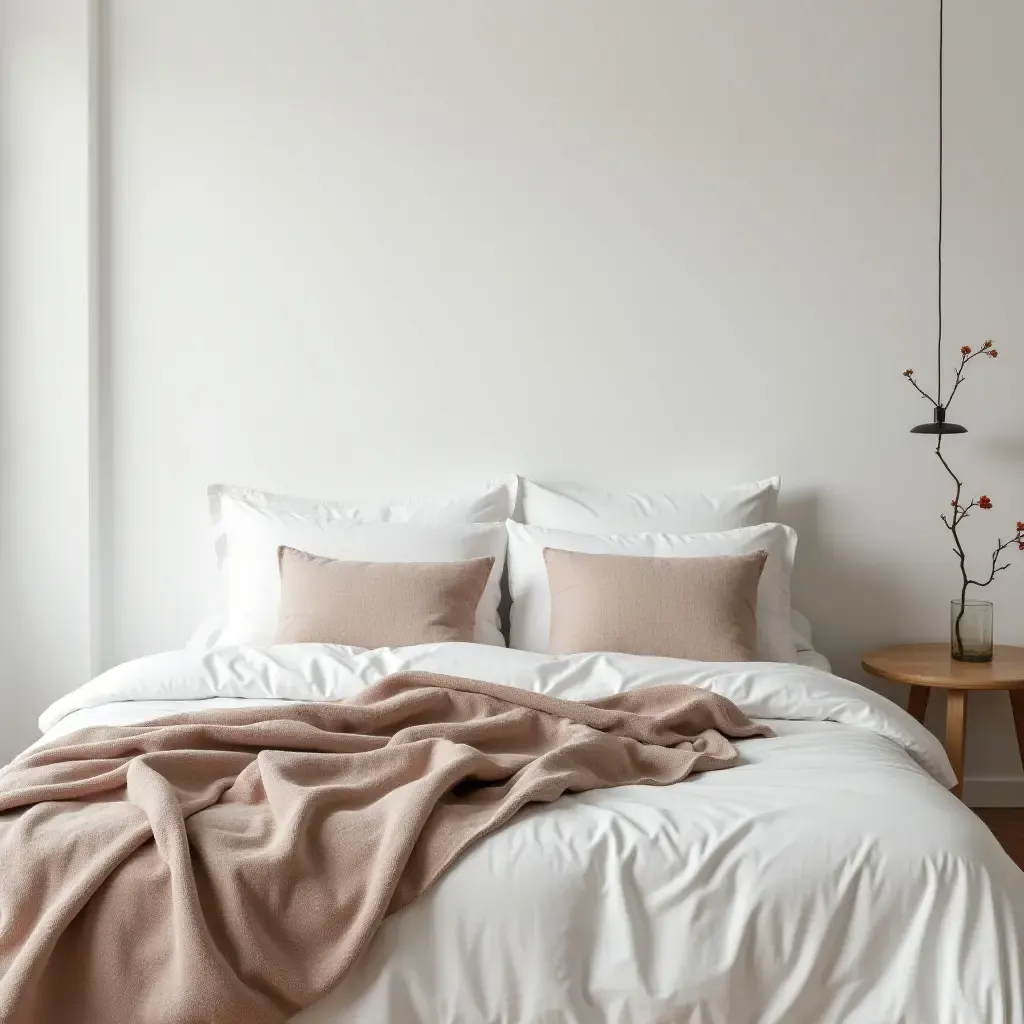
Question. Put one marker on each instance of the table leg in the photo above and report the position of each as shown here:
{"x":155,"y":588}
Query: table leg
{"x":1017,"y":703}
{"x":956,"y":735}
{"x":917,"y":702}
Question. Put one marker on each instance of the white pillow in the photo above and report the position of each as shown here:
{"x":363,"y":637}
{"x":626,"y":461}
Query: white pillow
{"x":531,"y":598}
{"x":232,"y":508}
{"x":803,"y":636}
{"x":583,"y":510}
{"x":253,"y":585}
{"x":240,"y":515}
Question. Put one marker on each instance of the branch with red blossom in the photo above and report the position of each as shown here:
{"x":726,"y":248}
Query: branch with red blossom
{"x":962,"y":511}
{"x":966,"y":355}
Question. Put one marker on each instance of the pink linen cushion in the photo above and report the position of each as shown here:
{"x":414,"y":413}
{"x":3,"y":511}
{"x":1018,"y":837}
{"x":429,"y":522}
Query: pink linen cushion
{"x":377,"y":604}
{"x":702,"y":609}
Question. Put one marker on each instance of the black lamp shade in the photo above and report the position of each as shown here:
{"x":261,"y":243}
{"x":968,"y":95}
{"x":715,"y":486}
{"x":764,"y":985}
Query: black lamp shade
{"x":938,"y":425}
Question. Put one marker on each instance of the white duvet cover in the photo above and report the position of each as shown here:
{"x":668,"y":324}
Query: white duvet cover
{"x":830,"y":878}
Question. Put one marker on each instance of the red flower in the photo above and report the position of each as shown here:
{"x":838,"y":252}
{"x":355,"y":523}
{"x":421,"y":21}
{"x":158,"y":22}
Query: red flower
{"x":985,"y":502}
{"x":908,"y":373}
{"x":965,"y":349}
{"x":993,"y":353}
{"x":988,"y":344}
{"x":1021,"y":545}
{"x":1020,"y":527}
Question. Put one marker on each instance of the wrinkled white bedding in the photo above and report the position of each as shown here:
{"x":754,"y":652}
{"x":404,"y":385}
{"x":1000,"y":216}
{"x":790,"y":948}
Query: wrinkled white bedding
{"x":830,"y":878}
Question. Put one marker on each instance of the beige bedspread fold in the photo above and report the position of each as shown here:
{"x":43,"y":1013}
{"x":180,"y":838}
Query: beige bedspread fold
{"x":230,"y":866}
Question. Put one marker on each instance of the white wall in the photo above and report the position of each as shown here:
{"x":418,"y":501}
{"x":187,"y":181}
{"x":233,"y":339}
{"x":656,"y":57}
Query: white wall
{"x":46,"y":345}
{"x":359,"y":247}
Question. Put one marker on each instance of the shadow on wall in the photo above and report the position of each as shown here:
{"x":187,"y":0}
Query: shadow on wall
{"x":1008,"y":448}
{"x":853,"y":603}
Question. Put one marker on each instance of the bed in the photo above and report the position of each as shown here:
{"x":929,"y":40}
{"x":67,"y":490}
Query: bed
{"x":829,"y":877}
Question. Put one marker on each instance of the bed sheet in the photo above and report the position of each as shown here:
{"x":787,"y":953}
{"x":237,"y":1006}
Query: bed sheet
{"x":829,"y":878}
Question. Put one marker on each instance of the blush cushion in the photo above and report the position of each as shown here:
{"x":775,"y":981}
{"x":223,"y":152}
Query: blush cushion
{"x":377,"y":604}
{"x":702,"y":609}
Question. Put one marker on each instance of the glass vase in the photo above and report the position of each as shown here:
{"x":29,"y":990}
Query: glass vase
{"x":970,"y":630}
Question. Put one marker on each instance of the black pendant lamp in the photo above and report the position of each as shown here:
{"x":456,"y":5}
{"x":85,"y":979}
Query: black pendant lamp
{"x":938,"y":424}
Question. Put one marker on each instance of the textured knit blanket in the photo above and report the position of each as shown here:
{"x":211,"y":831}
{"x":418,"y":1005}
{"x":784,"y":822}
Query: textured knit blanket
{"x":230,"y":866}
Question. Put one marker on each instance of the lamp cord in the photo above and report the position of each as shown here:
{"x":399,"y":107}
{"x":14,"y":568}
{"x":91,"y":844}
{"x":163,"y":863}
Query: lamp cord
{"x":938,"y":387}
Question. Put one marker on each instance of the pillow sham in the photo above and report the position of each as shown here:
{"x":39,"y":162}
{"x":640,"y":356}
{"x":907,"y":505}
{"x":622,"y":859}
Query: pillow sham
{"x":803,"y":635}
{"x":244,"y":520}
{"x":531,"y":599}
{"x":586,"y":510}
{"x":377,"y":604}
{"x":702,"y":609}
{"x":238,"y":512}
{"x":253,"y":584}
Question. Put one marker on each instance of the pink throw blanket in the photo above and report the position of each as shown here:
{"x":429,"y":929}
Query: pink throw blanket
{"x":230,"y":866}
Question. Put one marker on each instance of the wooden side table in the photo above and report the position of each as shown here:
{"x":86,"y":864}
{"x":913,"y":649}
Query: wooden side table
{"x":929,"y":666}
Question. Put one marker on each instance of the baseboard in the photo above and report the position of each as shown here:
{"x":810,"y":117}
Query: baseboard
{"x":994,"y":791}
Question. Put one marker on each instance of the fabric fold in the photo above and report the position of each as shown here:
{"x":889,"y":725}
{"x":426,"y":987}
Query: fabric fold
{"x":232,"y":865}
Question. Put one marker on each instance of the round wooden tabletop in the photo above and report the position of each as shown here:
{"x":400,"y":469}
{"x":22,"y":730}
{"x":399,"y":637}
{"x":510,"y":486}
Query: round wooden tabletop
{"x":932,"y":665}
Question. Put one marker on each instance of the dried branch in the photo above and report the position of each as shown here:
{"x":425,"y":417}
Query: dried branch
{"x":924,"y":394}
{"x":956,"y":479}
{"x":966,"y":355}
{"x":963,"y":511}
{"x":952,"y":527}
{"x":1001,"y":547}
